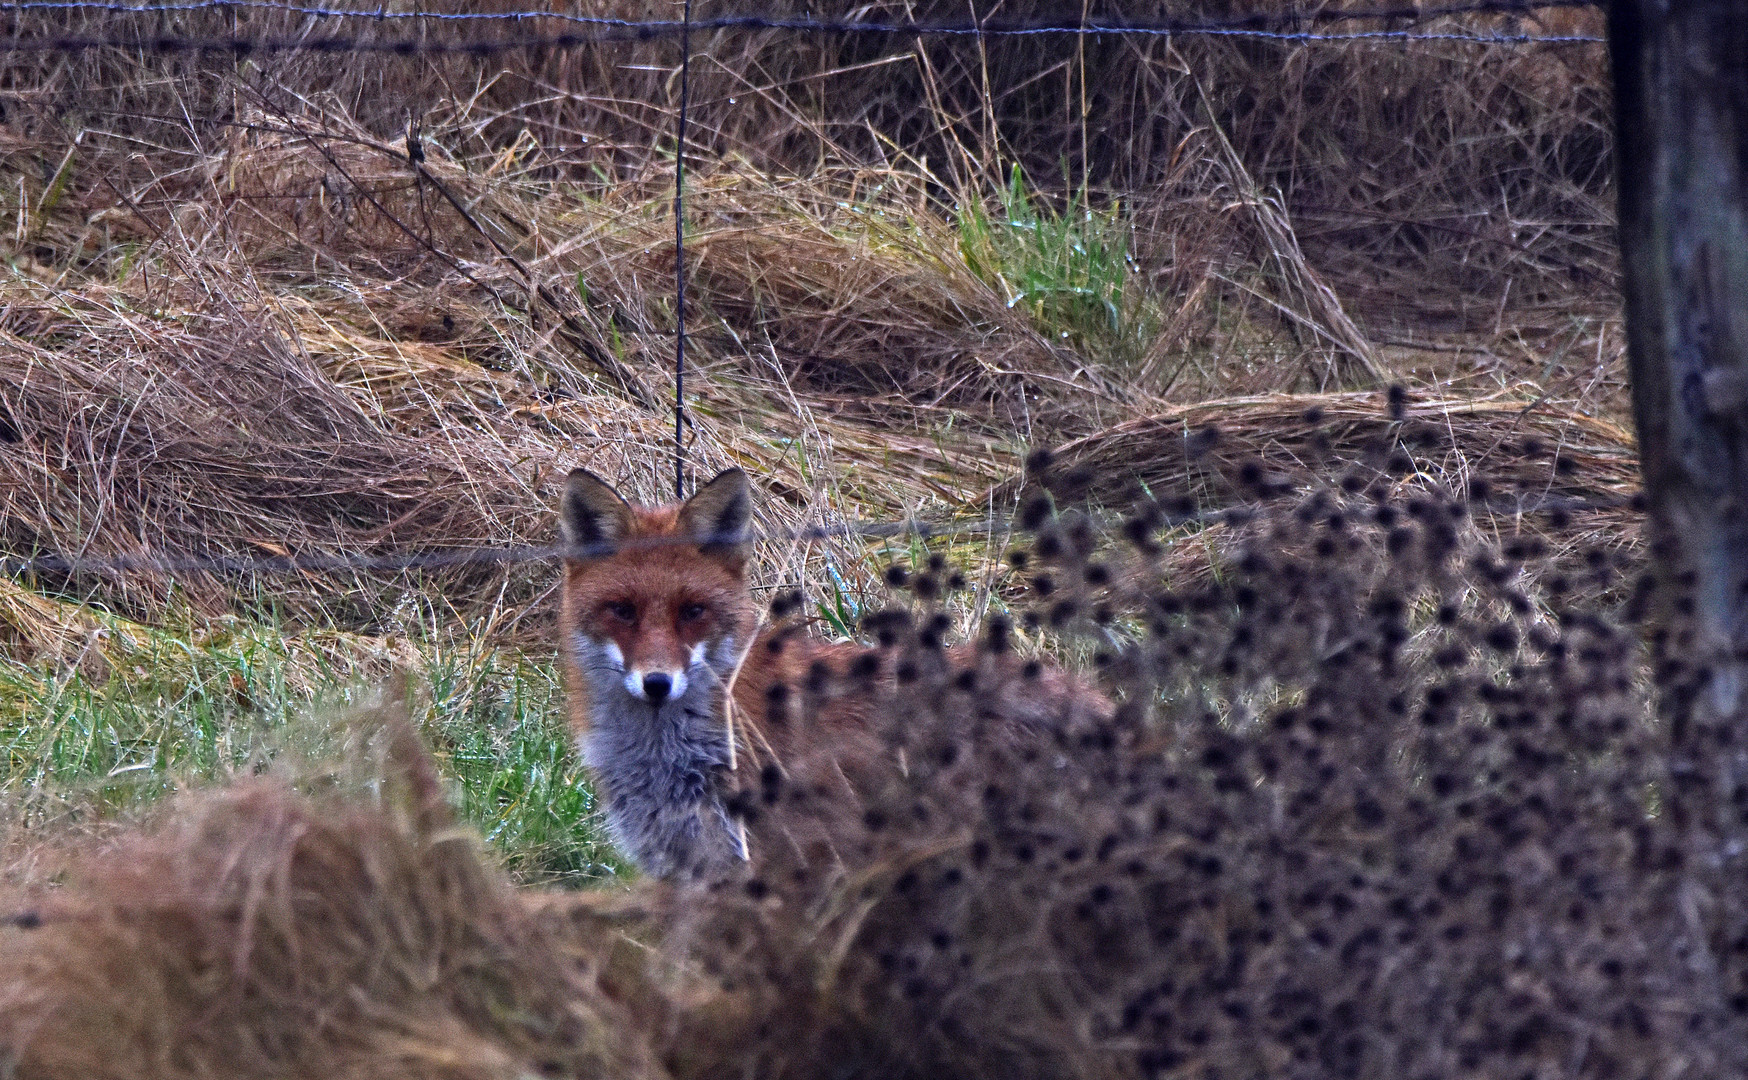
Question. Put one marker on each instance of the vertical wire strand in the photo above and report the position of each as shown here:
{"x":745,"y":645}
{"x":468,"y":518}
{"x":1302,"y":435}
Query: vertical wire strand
{"x":680,"y":259}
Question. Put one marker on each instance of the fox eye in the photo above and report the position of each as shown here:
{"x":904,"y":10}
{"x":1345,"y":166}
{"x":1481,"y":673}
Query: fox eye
{"x":622,"y":611}
{"x":691,"y":612}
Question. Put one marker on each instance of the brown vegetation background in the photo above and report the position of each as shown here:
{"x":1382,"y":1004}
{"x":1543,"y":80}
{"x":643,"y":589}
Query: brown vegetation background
{"x":1404,"y":780}
{"x":240,"y":323}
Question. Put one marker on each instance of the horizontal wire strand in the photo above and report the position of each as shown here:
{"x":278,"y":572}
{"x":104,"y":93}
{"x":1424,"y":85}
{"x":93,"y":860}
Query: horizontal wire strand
{"x":1257,"y":21}
{"x":1285,"y":27}
{"x":516,"y":554}
{"x":240,"y":45}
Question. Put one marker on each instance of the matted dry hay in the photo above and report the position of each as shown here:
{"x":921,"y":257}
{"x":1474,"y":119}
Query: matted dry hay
{"x":1248,"y":189}
{"x":138,"y":438}
{"x":843,"y":299}
{"x":1522,"y":467}
{"x":424,"y":400}
{"x":259,"y":931}
{"x":1513,"y":187}
{"x":1520,"y":449}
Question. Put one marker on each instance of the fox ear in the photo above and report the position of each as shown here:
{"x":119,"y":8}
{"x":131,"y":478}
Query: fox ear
{"x":717,"y":516}
{"x":592,"y":512}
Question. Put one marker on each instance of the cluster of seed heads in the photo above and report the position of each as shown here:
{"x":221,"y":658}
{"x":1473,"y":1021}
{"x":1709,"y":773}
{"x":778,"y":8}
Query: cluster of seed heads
{"x":934,"y":582}
{"x":1384,"y":793}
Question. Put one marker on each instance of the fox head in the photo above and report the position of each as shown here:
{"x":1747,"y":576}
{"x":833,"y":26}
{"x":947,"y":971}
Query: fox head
{"x":656,"y":604}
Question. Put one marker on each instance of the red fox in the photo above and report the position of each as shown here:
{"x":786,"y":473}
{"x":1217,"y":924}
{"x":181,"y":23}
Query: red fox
{"x":657,"y":620}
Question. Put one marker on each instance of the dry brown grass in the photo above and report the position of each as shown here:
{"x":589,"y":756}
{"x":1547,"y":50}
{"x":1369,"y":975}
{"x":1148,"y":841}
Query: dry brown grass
{"x":354,"y":931}
{"x":1531,"y":456}
{"x":240,"y":322}
{"x":237,"y":321}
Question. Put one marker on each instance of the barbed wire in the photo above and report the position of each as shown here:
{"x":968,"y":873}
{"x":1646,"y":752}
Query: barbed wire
{"x":502,"y":555}
{"x":1255,"y":20}
{"x":244,"y":46}
{"x":1274,"y":26}
{"x":1163,"y":515}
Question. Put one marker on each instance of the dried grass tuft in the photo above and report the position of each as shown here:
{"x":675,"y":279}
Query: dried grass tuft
{"x":260,"y":931}
{"x":1531,"y":451}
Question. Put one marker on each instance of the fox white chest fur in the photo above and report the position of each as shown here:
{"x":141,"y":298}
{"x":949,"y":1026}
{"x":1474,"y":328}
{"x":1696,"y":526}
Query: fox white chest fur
{"x":658,"y":758}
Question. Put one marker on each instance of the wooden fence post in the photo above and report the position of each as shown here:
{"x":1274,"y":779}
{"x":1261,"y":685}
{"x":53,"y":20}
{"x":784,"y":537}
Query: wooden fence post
{"x":1681,"y":108}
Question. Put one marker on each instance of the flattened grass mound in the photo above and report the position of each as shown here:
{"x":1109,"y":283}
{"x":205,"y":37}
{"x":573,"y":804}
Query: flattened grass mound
{"x":1576,"y":474}
{"x":1425,"y":174}
{"x":212,"y":433}
{"x":263,"y":932}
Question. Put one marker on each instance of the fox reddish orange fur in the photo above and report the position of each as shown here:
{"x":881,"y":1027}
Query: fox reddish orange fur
{"x":657,"y":622}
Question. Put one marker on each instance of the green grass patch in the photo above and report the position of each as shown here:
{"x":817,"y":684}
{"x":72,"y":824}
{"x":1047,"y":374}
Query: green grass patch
{"x":1069,"y":269}
{"x":496,"y":721}
{"x":164,"y":710}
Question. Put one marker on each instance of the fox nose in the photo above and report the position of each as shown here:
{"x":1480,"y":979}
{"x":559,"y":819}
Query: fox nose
{"x":656,"y":687}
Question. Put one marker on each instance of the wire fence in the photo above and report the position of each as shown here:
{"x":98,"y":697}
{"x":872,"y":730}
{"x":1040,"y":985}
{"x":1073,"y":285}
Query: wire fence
{"x":1286,"y":27}
{"x":247,"y":46}
{"x":1323,"y":25}
{"x":1507,"y":506}
{"x":1258,"y":20}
